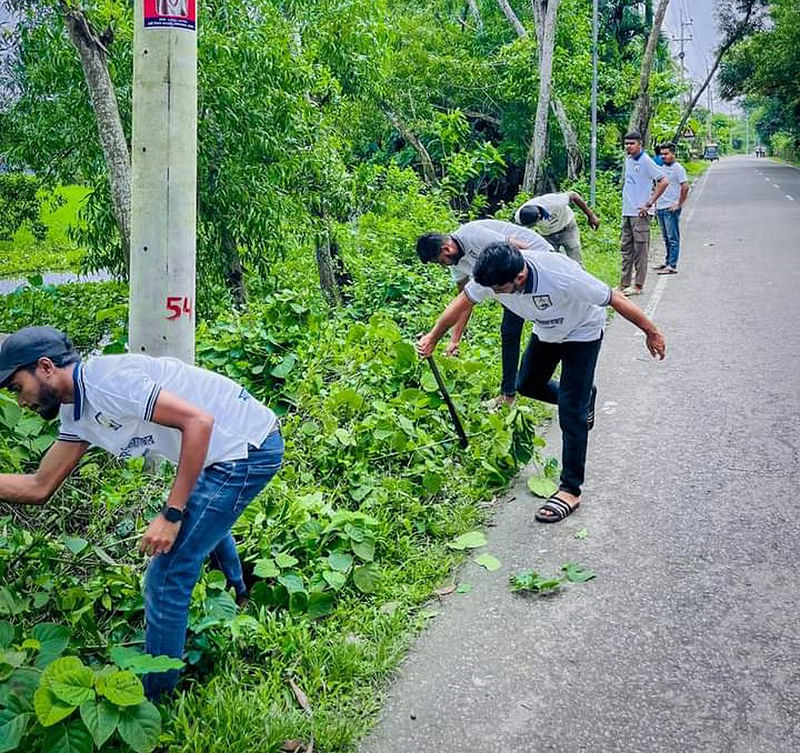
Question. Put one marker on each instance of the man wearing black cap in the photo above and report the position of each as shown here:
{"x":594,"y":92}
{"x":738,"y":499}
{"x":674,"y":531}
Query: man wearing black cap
{"x":134,"y":405}
{"x":553,"y":217}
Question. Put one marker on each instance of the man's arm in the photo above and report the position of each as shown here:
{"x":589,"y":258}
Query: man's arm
{"x":456,"y":310}
{"x":460,"y":325}
{"x":655,"y":340}
{"x":682,"y":197}
{"x":577,"y":199}
{"x":36,"y":488}
{"x":661,"y":186}
{"x":195,"y":426}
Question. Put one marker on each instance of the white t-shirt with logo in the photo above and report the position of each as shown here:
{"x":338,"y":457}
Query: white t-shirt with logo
{"x":557,"y":205}
{"x":637,"y":182}
{"x":115,"y":397}
{"x":475,"y":236}
{"x":676,"y":174}
{"x":564,"y":302}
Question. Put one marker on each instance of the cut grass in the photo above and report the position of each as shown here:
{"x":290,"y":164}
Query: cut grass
{"x":24,"y":255}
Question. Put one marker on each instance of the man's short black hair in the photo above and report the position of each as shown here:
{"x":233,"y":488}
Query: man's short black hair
{"x":58,"y":361}
{"x":498,"y":264}
{"x":669,"y":146}
{"x":633,"y":136}
{"x":529,"y":215}
{"x":429,"y":246}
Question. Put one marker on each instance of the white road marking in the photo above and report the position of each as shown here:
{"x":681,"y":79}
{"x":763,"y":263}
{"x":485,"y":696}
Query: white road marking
{"x":655,"y":299}
{"x":776,"y":185}
{"x":766,"y":179}
{"x":791,"y":198}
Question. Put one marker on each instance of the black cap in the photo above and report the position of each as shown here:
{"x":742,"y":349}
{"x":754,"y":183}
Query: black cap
{"x":27,"y":346}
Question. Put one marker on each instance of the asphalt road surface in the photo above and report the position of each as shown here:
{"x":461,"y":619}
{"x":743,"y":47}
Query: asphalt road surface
{"x":688,"y":640}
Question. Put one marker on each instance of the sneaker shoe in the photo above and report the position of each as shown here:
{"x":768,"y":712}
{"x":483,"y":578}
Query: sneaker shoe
{"x":660,"y":266}
{"x":667,"y":271}
{"x":590,"y":414}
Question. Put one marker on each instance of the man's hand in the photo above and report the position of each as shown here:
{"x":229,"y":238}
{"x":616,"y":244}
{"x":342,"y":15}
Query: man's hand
{"x":426,"y":345}
{"x":498,"y":402}
{"x":452,"y":348}
{"x":674,"y":207}
{"x":594,"y":221}
{"x":644,"y":211}
{"x":656,"y":345}
{"x":160,"y":536}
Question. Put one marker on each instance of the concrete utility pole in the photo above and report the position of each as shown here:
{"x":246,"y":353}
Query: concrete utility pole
{"x":593,"y":150}
{"x":164,"y":182}
{"x":682,"y":54}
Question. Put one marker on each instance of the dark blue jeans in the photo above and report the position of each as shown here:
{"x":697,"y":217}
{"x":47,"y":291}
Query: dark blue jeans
{"x":670,"y":223}
{"x":219,"y":497}
{"x":572,"y":394}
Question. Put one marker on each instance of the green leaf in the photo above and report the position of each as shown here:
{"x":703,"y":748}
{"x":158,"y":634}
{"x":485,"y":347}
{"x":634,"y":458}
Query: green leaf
{"x":140,"y":726}
{"x":334,"y":579}
{"x":59,"y":667}
{"x":6,"y":634}
{"x":292,"y":582}
{"x":432,"y":482}
{"x":284,"y":560}
{"x":471,"y":540}
{"x":365,"y":549}
{"x":366,"y":577}
{"x":340,"y":561}
{"x":20,"y":688}
{"x":320,"y":604}
{"x":464,"y":588}
{"x":489,"y":562}
{"x":68,"y":738}
{"x":581,"y":534}
{"x":428,"y":382}
{"x":122,"y":688}
{"x":542,"y":487}
{"x":49,"y":708}
{"x":75,"y":544}
{"x":281,"y":371}
{"x":100,"y":718}
{"x":74,"y":686}
{"x":12,"y":728}
{"x":139,"y":663}
{"x":53,"y":639}
{"x":298,"y":602}
{"x":266,"y":568}
{"x":578,"y":573}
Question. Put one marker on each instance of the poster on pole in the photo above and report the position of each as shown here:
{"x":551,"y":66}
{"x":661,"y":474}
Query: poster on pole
{"x":175,"y":14}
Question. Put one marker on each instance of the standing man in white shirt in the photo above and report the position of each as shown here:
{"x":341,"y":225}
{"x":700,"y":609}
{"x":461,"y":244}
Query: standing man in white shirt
{"x":668,"y":208}
{"x":226,"y":444}
{"x":567,"y":307}
{"x":638,"y":196}
{"x":460,"y":250}
{"x":554,"y":219}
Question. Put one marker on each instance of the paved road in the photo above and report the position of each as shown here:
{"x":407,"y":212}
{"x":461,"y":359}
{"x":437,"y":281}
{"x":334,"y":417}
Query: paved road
{"x":689,"y":638}
{"x":9,"y":285}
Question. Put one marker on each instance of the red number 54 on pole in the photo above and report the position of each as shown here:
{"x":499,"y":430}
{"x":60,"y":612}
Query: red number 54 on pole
{"x":178,"y":305}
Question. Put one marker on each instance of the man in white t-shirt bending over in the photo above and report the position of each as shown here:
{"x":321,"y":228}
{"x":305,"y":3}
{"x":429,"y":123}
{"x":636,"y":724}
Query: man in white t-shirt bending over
{"x":226,"y":444}
{"x":567,"y":308}
{"x":554,"y":219}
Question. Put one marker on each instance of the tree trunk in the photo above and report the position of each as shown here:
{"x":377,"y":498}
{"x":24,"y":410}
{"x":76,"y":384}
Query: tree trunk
{"x":428,"y":171}
{"x":476,"y":14}
{"x":92,"y":54}
{"x":642,"y":110}
{"x":508,"y":11}
{"x":327,"y":271}
{"x":234,"y":273}
{"x":574,"y":156}
{"x":545,"y":12}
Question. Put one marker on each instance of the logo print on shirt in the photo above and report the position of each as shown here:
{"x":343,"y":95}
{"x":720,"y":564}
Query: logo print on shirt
{"x":107,"y":421}
{"x":542,"y":302}
{"x":136,"y":443}
{"x":550,"y":322}
{"x":244,"y":395}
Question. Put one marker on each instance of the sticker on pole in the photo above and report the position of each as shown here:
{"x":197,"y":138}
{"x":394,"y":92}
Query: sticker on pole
{"x":176,"y":14}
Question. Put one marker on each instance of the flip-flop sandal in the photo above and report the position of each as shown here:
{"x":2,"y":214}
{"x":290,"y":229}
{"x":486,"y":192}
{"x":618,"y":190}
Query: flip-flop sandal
{"x":558,"y":507}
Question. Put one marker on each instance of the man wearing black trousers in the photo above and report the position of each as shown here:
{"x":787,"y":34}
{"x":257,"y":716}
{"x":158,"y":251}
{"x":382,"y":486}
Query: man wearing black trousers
{"x":567,"y":307}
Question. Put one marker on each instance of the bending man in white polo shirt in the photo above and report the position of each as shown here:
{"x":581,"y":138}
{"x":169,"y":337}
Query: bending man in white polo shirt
{"x":555,"y":220}
{"x":226,"y":444}
{"x":459,"y":251}
{"x":567,"y":308}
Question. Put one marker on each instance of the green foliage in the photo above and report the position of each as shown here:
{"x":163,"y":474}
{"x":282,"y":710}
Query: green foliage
{"x":529,"y":581}
{"x":20,"y":206}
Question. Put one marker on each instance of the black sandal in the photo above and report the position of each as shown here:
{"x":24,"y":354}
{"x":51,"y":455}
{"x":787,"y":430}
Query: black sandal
{"x":558,"y":507}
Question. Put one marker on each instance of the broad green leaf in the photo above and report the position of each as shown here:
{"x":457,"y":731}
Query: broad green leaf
{"x":281,"y":371}
{"x":126,"y":657}
{"x":334,"y":579}
{"x":428,"y":382}
{"x":49,"y":708}
{"x":292,"y":582}
{"x":464,"y":588}
{"x":6,"y":634}
{"x":12,"y":726}
{"x":366,"y":577}
{"x":471,"y":540}
{"x":20,"y":688}
{"x":320,"y":604}
{"x":284,"y":560}
{"x":578,"y":573}
{"x":542,"y":487}
{"x":100,"y":718}
{"x":68,"y":738}
{"x":10,"y":603}
{"x":74,"y":686}
{"x":489,"y":562}
{"x":9,"y":661}
{"x":340,"y":561}
{"x":581,"y":534}
{"x":266,"y":568}
{"x":122,"y":688}
{"x":75,"y":544}
{"x":59,"y":667}
{"x":432,"y":482}
{"x":365,"y":549}
{"x":140,"y":726}
{"x":298,"y":602}
{"x":53,"y":639}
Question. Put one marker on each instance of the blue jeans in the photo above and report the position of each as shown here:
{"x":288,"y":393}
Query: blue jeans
{"x":219,"y":497}
{"x":670,"y":223}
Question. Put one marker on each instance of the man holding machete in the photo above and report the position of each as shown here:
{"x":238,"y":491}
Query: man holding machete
{"x":459,"y":251}
{"x":226,"y":444}
{"x":567,"y":307}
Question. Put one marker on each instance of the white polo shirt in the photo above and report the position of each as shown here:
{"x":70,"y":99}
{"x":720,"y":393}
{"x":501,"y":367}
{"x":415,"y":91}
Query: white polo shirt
{"x":676,"y":174}
{"x":475,"y":236}
{"x":637,"y":182}
{"x":115,"y":397}
{"x":564,"y":302}
{"x":557,"y":206}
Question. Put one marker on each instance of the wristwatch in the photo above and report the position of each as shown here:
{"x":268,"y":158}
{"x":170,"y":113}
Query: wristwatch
{"x":173,"y":514}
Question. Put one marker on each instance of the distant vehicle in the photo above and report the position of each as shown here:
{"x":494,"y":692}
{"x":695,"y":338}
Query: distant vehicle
{"x":711,"y":152}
